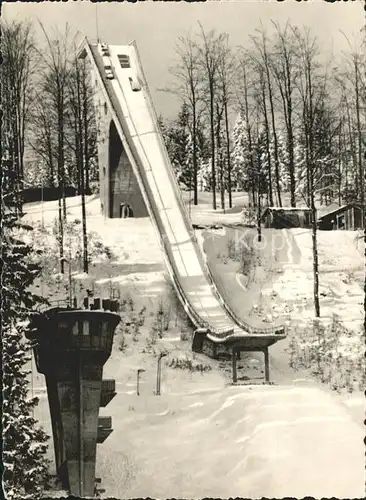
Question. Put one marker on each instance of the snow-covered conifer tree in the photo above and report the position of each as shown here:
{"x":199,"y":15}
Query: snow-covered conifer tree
{"x":300,"y":168}
{"x":187,"y":170}
{"x":205,"y":175}
{"x":240,"y":155}
{"x":284,"y":169}
{"x":24,"y":441}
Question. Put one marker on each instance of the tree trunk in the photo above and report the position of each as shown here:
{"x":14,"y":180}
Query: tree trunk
{"x":60,"y":226}
{"x":16,"y":162}
{"x":195,"y":167}
{"x":85,"y":235}
{"x":290,"y":134}
{"x":315,"y":260}
{"x":259,"y":214}
{"x":359,"y":138}
{"x":352,"y":144}
{"x":219,"y":156}
{"x":266,"y":124}
{"x":213,"y":173}
{"x":85,"y":168}
{"x":273,"y":121}
{"x":310,"y":122}
{"x":290,"y":138}
{"x":252,"y":185}
{"x":249,"y":137}
{"x":78,"y":149}
{"x":228,"y":155}
{"x":310,"y":175}
{"x":61,"y":159}
{"x":340,"y":149}
{"x":364,"y":289}
{"x":277,"y":170}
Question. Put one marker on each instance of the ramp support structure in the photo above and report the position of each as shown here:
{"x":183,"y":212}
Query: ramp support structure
{"x":236,"y":350}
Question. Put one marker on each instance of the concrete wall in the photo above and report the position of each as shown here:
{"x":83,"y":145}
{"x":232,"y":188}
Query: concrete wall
{"x":123,"y":185}
{"x":357,"y":219}
{"x":117,"y":182}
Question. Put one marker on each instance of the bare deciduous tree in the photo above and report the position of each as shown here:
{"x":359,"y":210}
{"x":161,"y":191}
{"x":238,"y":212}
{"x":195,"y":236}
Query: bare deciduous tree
{"x":285,"y":70}
{"x":209,"y":56}
{"x":187,"y":88}
{"x":356,"y":92}
{"x":81,"y":115}
{"x":309,"y":87}
{"x":226,"y":69}
{"x":19,"y":60}
{"x":54,"y":88}
{"x":246,"y":112}
{"x":264,"y":58}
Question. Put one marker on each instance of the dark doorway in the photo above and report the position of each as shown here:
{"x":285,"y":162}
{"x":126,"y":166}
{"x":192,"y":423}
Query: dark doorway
{"x":125,"y":211}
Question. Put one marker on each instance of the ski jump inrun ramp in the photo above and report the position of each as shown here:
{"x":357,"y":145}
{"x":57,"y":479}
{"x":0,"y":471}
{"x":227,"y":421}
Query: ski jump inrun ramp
{"x":128,"y":98}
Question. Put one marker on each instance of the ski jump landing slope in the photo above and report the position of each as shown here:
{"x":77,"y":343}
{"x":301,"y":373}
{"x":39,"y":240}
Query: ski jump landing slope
{"x":137,"y":125}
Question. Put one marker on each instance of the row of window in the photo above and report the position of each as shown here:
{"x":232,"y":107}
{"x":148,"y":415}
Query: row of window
{"x":124,"y":61}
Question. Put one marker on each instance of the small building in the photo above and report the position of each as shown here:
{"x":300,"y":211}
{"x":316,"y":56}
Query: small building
{"x":348,"y":217}
{"x":286,"y":217}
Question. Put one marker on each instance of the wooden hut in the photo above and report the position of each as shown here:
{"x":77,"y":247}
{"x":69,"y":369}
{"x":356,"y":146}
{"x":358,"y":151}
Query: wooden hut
{"x":348,"y":217}
{"x":286,"y":217}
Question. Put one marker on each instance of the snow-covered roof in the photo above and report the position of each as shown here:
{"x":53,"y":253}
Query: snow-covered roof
{"x":287,"y":209}
{"x":327,"y":209}
{"x":338,"y":209}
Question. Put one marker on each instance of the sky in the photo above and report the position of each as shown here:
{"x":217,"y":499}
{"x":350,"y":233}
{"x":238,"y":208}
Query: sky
{"x":156,"y":26}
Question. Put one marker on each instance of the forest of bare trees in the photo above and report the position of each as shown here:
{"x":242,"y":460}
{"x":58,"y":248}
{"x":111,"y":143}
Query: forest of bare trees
{"x":282,"y":119}
{"x":49,"y":117}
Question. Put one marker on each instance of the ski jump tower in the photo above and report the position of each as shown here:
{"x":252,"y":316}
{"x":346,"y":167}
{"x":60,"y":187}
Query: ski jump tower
{"x":70,"y":348}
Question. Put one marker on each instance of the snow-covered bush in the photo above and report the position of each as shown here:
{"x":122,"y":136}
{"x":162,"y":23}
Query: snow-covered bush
{"x":187,"y":363}
{"x":332,"y":353}
{"x":131,"y":321}
{"x":45,"y":240}
{"x":242,"y":251}
{"x":248,"y":216}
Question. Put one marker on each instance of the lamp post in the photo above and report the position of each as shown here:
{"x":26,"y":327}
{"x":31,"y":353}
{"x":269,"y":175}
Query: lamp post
{"x":140,"y":370}
{"x":158,"y":373}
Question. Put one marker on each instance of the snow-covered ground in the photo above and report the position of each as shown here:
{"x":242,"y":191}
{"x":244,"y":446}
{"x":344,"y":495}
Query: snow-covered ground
{"x":202,"y":436}
{"x":203,"y":213}
{"x":341,"y":270}
{"x":137,"y":264}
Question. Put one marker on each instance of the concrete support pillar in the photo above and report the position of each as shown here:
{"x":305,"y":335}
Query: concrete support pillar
{"x":266,"y":364}
{"x":78,"y":401}
{"x":57,"y":431}
{"x":235,"y":375}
